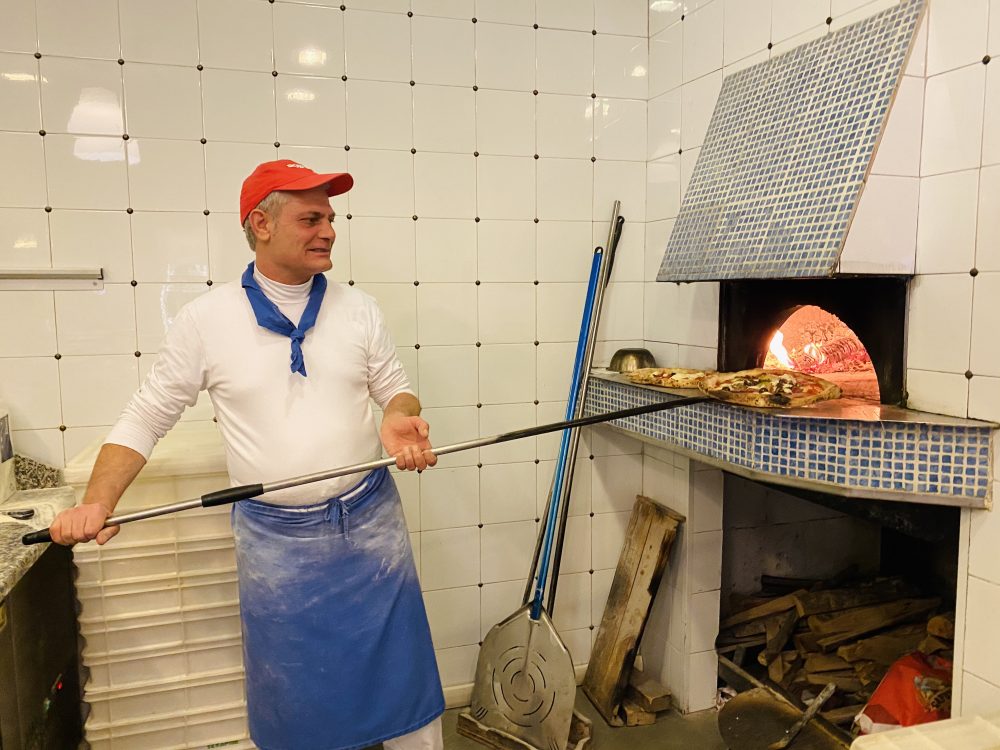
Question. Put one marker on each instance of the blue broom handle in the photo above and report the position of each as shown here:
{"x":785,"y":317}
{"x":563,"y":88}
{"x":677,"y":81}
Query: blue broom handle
{"x":574,"y":392}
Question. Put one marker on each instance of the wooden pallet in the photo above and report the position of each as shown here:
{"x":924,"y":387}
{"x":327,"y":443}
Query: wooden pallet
{"x":648,"y":539}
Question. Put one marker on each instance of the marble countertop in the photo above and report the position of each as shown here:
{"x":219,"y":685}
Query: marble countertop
{"x":16,"y":558}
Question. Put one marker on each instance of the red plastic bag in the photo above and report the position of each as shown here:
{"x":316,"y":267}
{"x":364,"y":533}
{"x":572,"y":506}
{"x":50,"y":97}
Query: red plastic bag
{"x":915,"y":690}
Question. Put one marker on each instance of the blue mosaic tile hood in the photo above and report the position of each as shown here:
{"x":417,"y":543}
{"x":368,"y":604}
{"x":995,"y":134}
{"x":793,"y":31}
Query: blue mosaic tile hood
{"x":787,"y":151}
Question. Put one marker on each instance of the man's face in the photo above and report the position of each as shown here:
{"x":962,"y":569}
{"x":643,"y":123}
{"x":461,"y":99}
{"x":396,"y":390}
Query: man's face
{"x":301,"y":238}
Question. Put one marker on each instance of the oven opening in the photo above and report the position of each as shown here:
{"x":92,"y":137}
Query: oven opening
{"x":814,"y":341}
{"x":849,"y":330}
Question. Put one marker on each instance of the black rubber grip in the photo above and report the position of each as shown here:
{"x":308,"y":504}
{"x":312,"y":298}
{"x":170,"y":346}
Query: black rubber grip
{"x":224,"y":497}
{"x":37,"y":537}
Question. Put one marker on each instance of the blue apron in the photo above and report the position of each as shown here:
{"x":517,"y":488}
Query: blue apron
{"x":337,"y":649}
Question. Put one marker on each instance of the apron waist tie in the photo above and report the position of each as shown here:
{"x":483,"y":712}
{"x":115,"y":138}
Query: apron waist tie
{"x":337,"y":512}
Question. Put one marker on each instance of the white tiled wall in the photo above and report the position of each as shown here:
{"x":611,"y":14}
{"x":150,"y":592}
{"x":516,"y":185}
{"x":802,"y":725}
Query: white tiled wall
{"x":929,"y":208}
{"x":487,"y":138}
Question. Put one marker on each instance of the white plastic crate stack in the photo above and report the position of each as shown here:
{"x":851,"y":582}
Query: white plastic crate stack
{"x":159,"y":609}
{"x":965,"y":733}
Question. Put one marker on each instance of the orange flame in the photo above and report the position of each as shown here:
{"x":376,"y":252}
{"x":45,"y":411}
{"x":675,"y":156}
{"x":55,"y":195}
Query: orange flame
{"x":777,"y":348}
{"x":815,"y":351}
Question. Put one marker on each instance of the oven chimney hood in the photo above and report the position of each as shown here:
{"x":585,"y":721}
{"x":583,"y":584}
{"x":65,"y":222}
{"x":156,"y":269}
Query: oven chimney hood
{"x":787,"y":155}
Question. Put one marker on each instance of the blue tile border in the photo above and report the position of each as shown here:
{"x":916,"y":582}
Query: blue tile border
{"x":884,"y":457}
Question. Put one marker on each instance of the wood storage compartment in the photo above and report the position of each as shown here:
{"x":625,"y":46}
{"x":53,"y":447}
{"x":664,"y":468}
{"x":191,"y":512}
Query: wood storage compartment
{"x":648,"y":539}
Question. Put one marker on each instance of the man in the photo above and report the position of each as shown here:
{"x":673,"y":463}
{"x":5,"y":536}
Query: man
{"x":336,"y":643}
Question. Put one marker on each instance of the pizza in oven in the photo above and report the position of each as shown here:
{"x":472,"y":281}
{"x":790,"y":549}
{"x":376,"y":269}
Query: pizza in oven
{"x":667,"y":377}
{"x":768,"y":388}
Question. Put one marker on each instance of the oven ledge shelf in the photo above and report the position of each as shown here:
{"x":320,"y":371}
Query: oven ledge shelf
{"x":851,"y":448}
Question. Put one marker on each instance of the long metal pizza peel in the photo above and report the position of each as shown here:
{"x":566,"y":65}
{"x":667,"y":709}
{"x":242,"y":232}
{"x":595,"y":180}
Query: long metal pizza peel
{"x":247,"y":491}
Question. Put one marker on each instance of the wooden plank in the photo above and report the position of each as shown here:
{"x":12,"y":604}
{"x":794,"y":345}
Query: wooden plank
{"x":648,"y":539}
{"x":886,"y":647}
{"x":778,"y":630}
{"x":636,"y":716}
{"x":647,"y":693}
{"x":919,"y":607}
{"x":845,"y":680}
{"x":870,"y":617}
{"x":831,"y":600}
{"x":825,"y":663}
{"x":773,"y":607}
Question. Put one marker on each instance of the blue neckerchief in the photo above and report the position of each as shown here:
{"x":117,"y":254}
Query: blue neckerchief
{"x":270,"y":317}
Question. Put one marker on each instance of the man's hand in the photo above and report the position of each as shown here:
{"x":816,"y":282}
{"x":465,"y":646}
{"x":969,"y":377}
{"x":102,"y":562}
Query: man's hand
{"x":82,"y":524}
{"x":405,"y":438}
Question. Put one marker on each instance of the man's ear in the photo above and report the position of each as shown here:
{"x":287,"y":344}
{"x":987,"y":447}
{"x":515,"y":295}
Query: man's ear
{"x":260,"y":223}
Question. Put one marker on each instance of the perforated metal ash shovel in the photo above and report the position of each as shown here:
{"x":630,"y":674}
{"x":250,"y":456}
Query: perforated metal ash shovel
{"x":248,"y":491}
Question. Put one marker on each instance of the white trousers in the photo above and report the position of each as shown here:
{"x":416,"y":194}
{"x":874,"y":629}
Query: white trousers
{"x":428,"y":737}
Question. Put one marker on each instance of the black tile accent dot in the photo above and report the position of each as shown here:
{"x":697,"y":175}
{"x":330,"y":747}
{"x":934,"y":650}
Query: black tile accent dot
{"x":536,"y":402}
{"x":986,"y":59}
{"x":128,"y":210}
{"x":536,"y":343}
{"x":535,"y":92}
{"x":475,"y":20}
{"x":343,"y":78}
{"x":138,"y":354}
{"x":343,"y":7}
{"x":409,"y":14}
{"x":536,"y":282}
{"x":475,"y":88}
{"x":479,"y":343}
{"x":477,"y":221}
{"x":974,"y":272}
{"x":62,"y":428}
{"x":350,"y":283}
{"x":274,"y":73}
{"x":348,"y":217}
{"x":591,"y":514}
{"x":41,"y":132}
{"x":414,"y":217}
{"x":536,"y":25}
{"x":347,"y":148}
{"x":829,"y":20}
{"x":413,"y":83}
{"x":206,"y":212}
{"x":48,"y":209}
{"x":537,"y":520}
{"x":413,"y":151}
{"x":769,"y":45}
{"x":680,"y":151}
{"x":277,"y":144}
{"x":594,"y":32}
{"x":593,"y":96}
{"x":536,"y":156}
{"x":537,"y":461}
{"x":133,"y":282}
{"x":124,"y":136}
{"x":120,"y":61}
{"x":968,"y":374}
{"x":536,"y":219}
{"x":591,"y":571}
{"x":416,"y":346}
{"x":593,"y":159}
{"x":204,"y":140}
{"x":478,"y":282}
{"x":479,"y":466}
{"x":38,"y":55}
{"x":416,"y":283}
{"x":58,"y":356}
{"x":476,"y":154}
{"x":479,"y":406}
{"x":682,"y":18}
{"x":209,"y":282}
{"x":591,"y":456}
{"x":199,"y":66}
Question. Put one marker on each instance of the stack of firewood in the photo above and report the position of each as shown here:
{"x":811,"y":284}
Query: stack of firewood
{"x":847,"y":635}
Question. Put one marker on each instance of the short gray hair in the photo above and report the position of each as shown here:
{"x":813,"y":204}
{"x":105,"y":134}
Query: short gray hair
{"x":271,"y":204}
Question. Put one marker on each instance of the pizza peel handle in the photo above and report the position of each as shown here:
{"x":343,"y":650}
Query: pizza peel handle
{"x":246,"y":491}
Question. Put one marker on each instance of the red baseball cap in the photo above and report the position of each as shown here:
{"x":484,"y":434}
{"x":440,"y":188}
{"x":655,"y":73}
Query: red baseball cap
{"x":286,"y":174}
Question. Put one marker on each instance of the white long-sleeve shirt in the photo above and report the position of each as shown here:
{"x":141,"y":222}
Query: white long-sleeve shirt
{"x":275,"y":424}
